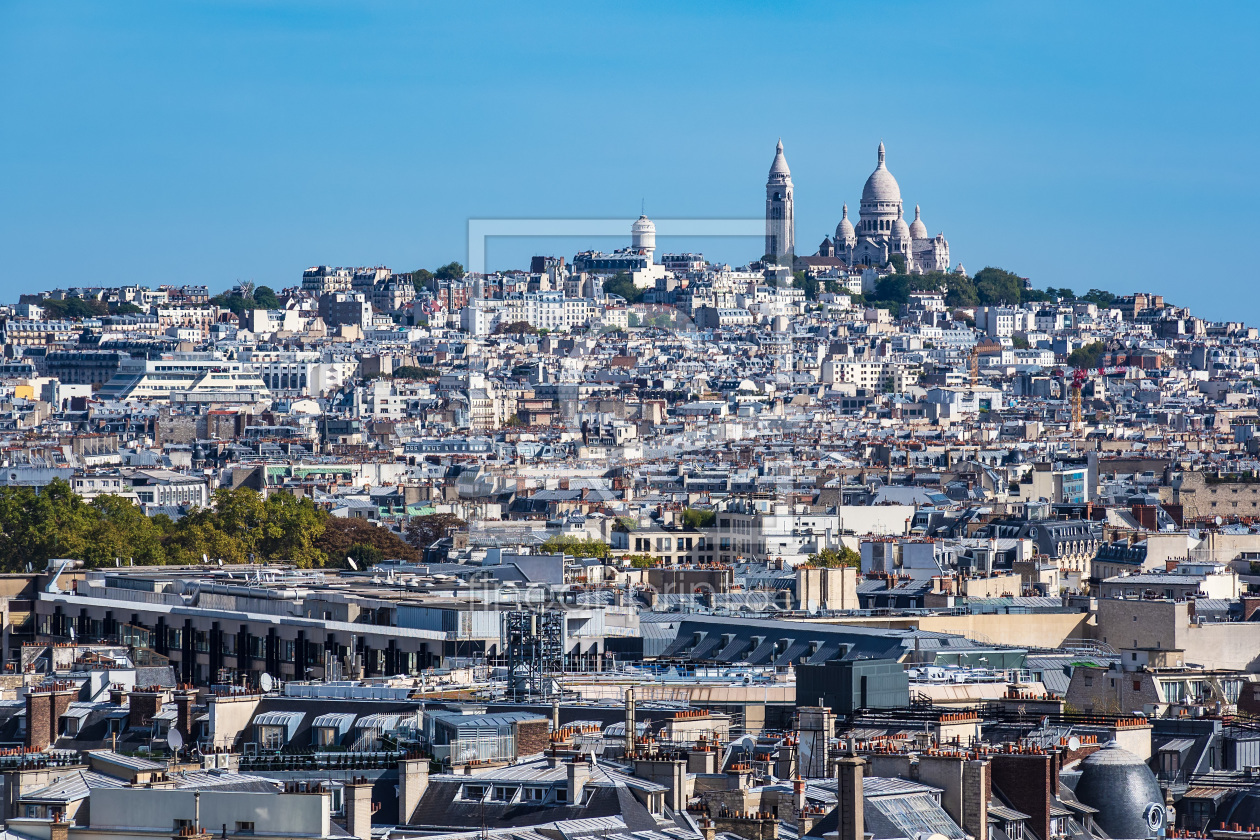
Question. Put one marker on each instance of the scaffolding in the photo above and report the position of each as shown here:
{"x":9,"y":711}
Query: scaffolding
{"x":534,"y":642}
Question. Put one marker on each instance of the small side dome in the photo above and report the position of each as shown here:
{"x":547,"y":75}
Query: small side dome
{"x":900,"y":230}
{"x":918,"y":230}
{"x":844,"y":230}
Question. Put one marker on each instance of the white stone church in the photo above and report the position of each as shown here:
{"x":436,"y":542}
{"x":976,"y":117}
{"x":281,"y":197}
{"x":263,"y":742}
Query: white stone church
{"x":881,"y":229}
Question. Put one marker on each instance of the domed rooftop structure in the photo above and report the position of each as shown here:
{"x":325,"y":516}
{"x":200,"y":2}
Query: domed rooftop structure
{"x":881,"y":186}
{"x":1125,"y":792}
{"x":779,"y":166}
{"x":918,"y":230}
{"x":643,"y":234}
{"x":844,"y":230}
{"x":900,"y":229}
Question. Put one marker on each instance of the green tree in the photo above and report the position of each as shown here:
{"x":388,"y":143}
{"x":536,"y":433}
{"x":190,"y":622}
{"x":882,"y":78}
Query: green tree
{"x":121,"y":531}
{"x":1100,"y":298}
{"x":516,"y":328}
{"x":1087,"y":356}
{"x":1020,"y":342}
{"x":341,"y":534}
{"x":40,"y":526}
{"x":807,"y":283}
{"x":898,"y":262}
{"x":365,"y":554}
{"x":622,"y":285}
{"x":421,"y":278}
{"x":576,"y":547}
{"x":265,"y":298}
{"x":74,"y":308}
{"x":127,"y":308}
{"x":424,"y":531}
{"x":236,"y":304}
{"x":996,"y":286}
{"x":693,"y":518}
{"x":290,"y":529}
{"x":414,"y":372}
{"x":830,"y":558}
{"x":450,"y":271}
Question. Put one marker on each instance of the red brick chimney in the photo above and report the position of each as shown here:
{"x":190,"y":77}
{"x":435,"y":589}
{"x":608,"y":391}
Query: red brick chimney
{"x":44,"y":707}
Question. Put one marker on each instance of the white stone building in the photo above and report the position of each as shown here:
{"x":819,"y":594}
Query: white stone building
{"x":882,"y":230}
{"x":780,"y":221}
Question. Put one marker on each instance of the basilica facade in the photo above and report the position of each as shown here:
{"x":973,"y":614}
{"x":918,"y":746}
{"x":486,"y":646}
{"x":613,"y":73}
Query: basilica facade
{"x":882,"y":231}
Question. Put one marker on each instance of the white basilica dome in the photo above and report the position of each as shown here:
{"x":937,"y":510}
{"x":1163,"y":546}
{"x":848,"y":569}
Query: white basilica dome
{"x":881,"y":186}
{"x":918,"y":230}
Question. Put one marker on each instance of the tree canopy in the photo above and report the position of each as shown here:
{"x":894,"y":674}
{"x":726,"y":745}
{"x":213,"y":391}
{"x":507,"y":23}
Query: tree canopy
{"x":997,"y":286}
{"x":238,"y":527}
{"x":622,"y":285}
{"x":73,"y":308}
{"x":830,"y":558}
{"x":265,"y":298}
{"x":450,"y":271}
{"x":807,"y":283}
{"x":516,"y":328}
{"x":424,"y":531}
{"x":576,"y":547}
{"x":693,"y":518}
{"x":893,"y":291}
{"x":1087,"y":356}
{"x":415,"y":372}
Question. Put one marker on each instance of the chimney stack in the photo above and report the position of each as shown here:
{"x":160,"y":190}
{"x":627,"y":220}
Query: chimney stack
{"x":579,"y":773}
{"x":359,"y":808}
{"x":849,"y":798}
{"x":413,"y":781}
{"x":631,"y":730}
{"x":185,"y":697}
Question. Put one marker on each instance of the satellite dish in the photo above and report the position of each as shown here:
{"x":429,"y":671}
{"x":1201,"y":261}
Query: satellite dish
{"x":220,"y":561}
{"x":1218,"y":520}
{"x":353,"y":564}
{"x":1074,"y":743}
{"x":266,"y":683}
{"x":174,"y":740}
{"x":72,"y":633}
{"x":204,"y":558}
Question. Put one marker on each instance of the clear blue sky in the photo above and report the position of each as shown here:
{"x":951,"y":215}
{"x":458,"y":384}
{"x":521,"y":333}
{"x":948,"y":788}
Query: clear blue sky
{"x":1081,"y":144}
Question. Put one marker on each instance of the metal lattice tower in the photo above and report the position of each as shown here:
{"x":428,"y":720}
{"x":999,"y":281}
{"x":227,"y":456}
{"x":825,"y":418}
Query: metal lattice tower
{"x":1078,"y":420}
{"x":534,"y":642}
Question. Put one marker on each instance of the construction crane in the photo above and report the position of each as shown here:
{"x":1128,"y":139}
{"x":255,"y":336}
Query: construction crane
{"x":1079,"y":377}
